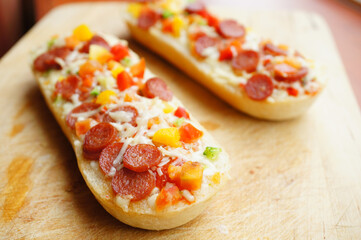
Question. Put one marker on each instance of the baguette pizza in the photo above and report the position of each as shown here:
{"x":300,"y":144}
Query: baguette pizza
{"x":257,"y":76}
{"x":147,"y":161}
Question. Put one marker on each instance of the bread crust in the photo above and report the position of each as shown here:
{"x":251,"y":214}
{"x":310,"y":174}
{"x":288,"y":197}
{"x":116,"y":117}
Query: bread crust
{"x":276,"y":111}
{"x":138,"y":215}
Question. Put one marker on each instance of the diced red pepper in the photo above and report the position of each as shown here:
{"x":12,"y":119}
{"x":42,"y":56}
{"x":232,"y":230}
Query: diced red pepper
{"x":181,"y":112}
{"x":292,"y":92}
{"x":189,"y":133}
{"x":167,"y":25}
{"x":119,"y":52}
{"x":212,"y":20}
{"x":226,"y":53}
{"x":124,"y":81}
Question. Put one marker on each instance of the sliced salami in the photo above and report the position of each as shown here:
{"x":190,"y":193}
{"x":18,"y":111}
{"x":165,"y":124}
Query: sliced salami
{"x":108,"y":155}
{"x":286,"y":73}
{"x":134,"y":184}
{"x":141,"y":157}
{"x":196,"y":7}
{"x":231,"y":29}
{"x":129,"y":109}
{"x":245,"y":61}
{"x":156,"y":87}
{"x":273,"y":50}
{"x":68,"y":86}
{"x":47,"y":61}
{"x":147,"y":18}
{"x":259,"y":87}
{"x":85,"y":107}
{"x":202,"y":43}
{"x":97,"y":138}
{"x":96,"y":40}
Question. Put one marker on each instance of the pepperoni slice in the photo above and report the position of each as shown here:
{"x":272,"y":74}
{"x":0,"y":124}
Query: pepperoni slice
{"x":85,"y":107}
{"x":130,"y":109}
{"x":245,"y":61}
{"x":203,"y":43}
{"x":273,"y":50}
{"x":96,"y":40}
{"x":231,"y":29}
{"x":47,"y":61}
{"x":97,"y":138}
{"x":286,"y":73}
{"x":137,"y":185}
{"x":108,"y":155}
{"x":156,"y":87}
{"x":259,"y":87}
{"x":67,"y":87}
{"x":147,"y":18}
{"x":196,"y":7}
{"x":141,"y":157}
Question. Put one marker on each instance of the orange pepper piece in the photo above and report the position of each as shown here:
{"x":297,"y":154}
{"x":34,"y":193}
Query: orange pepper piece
{"x":138,"y":69}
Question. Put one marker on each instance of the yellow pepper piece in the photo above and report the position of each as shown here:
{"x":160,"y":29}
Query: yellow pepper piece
{"x":216,"y":178}
{"x":105,"y":97}
{"x":167,"y":136}
{"x":115,"y":68}
{"x":99,"y":54}
{"x":61,"y":78}
{"x":283,"y":47}
{"x":134,"y":9}
{"x":293,"y":62}
{"x":82,"y":33}
{"x":168,"y":108}
{"x":178,"y":24}
{"x":172,"y":5}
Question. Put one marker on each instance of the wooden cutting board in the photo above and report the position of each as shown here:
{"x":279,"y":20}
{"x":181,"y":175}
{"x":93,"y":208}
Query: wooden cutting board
{"x":299,"y":179}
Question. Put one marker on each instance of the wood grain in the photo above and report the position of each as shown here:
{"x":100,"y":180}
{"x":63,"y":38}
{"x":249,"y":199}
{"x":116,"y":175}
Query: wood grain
{"x":298,"y":179}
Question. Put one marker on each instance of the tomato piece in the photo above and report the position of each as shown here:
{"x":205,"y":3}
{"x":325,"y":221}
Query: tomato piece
{"x":124,"y":81}
{"x":189,"y":133}
{"x":82,"y":127}
{"x":119,"y":52}
{"x":169,"y":195}
{"x":137,"y":70}
{"x":181,"y":112}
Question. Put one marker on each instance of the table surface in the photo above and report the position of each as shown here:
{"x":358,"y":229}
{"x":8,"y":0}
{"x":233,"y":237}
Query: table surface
{"x":343,"y":17}
{"x":297,"y":179}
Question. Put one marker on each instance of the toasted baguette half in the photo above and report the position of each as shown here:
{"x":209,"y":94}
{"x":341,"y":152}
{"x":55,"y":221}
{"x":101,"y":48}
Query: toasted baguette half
{"x":143,"y":213}
{"x":177,"y":50}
